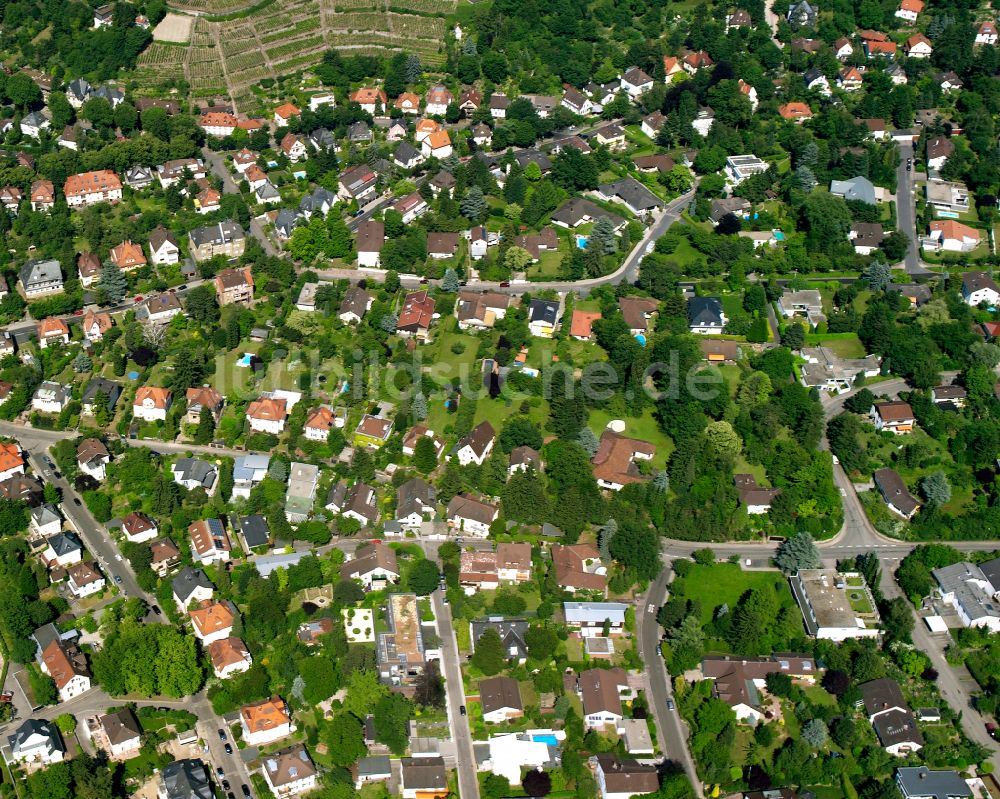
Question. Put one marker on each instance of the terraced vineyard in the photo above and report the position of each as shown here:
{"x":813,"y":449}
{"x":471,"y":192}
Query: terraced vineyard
{"x":230,"y":57}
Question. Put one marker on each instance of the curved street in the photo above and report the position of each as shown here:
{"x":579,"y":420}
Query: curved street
{"x":856,"y":536}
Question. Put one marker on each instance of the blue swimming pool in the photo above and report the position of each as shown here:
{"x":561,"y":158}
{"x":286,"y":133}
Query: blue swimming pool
{"x":778,"y":235}
{"x":641,"y":339}
{"x":245,"y":360}
{"x":551,"y":740}
{"x":581,"y":242}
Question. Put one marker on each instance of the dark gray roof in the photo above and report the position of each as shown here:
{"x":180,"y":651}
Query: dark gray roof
{"x":632,"y":193}
{"x":920,"y":781}
{"x":511,"y":632}
{"x":255,"y":530}
{"x":187,"y":580}
{"x":857,"y":188}
{"x":64,"y":543}
{"x":991,"y":570}
{"x":405,"y":152}
{"x":40,"y":271}
{"x":897,"y":727}
{"x":185,"y":779}
{"x":424,"y":773}
{"x":322,"y":139}
{"x":101,"y":385}
{"x":217,"y":234}
{"x":44,"y":514}
{"x":881,"y":695}
{"x":359,"y":131}
{"x":285,"y":221}
{"x":574,"y":210}
{"x":543,"y":310}
{"x":704,"y":310}
{"x":197,"y":470}
{"x":33,"y":727}
{"x":413,"y":495}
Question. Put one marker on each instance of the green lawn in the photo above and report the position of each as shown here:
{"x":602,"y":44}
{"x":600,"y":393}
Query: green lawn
{"x":645,"y":428}
{"x":725,"y":583}
{"x":846,"y":345}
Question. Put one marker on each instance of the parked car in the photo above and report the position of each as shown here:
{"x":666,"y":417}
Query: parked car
{"x":222,"y":734}
{"x":229,"y":749}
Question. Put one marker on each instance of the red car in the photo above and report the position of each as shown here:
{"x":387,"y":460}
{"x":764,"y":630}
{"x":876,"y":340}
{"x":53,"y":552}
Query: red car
{"x":77,"y":312}
{"x":139,"y":298}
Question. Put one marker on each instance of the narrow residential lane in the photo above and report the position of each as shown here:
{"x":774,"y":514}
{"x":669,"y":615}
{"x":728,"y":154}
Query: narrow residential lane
{"x":670,"y":727}
{"x":468,"y":781}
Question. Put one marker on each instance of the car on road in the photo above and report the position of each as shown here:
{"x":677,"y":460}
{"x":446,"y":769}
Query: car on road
{"x":505,"y":284}
{"x":222,"y":734}
{"x":228,"y":748}
{"x":156,"y":610}
{"x":118,"y":557}
{"x":78,"y":312}
{"x":182,"y":287}
{"x":138,"y":298}
{"x":220,"y":771}
{"x":993,"y":730}
{"x":118,"y":579}
{"x":230,"y":795}
{"x":670,"y":704}
{"x":246,"y":790}
{"x":225,"y":785}
{"x":76,"y":501}
{"x":49,"y":463}
{"x":462,"y":710}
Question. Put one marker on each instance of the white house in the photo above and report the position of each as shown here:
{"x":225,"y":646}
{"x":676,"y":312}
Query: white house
{"x":51,"y":397}
{"x":230,"y":656}
{"x":289,"y":772}
{"x":602,"y":691}
{"x":468,"y":515}
{"x":151,"y":403}
{"x":266,"y":721}
{"x":978,"y":287}
{"x":635,"y":82}
{"x":36,"y":741}
{"x":476,"y":446}
{"x":212,"y":621}
{"x":163,"y":247}
{"x":61,"y":549}
{"x":966,"y":588}
{"x":44,"y":521}
{"x":267,"y":415}
{"x":85,"y":580}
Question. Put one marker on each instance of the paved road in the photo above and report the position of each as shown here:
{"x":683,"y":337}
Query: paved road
{"x":468,"y":782}
{"x":906,"y":213}
{"x":92,"y":533}
{"x":670,"y":727}
{"x":627,"y":272}
{"x":217,"y":165}
{"x":95,"y":702}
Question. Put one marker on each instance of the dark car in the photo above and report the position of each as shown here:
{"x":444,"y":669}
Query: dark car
{"x":225,"y":785}
{"x":76,"y":500}
{"x":118,"y":579}
{"x":156,"y":610}
{"x":230,"y":795}
{"x":220,"y":771}
{"x":182,"y":287}
{"x":246,"y":790}
{"x":222,"y":734}
{"x":670,"y":704}
{"x":228,"y":748}
{"x":462,"y":710}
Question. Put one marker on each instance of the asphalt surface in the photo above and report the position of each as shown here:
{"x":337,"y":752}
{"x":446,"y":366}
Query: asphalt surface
{"x":906,"y":213}
{"x":671,"y":729}
{"x":628,"y":272}
{"x":468,"y":781}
